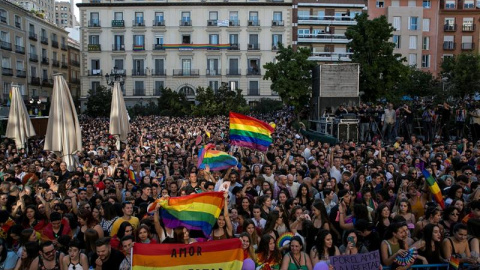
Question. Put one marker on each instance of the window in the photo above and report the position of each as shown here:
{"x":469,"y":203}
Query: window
{"x":159,"y":85}
{"x":450,"y":4}
{"x":118,"y":63}
{"x":44,"y":33}
{"x":159,"y":39}
{"x":118,"y":16}
{"x":467,"y":24}
{"x":213,"y":85}
{"x":427,"y":4}
{"x":380,"y":4}
{"x":253,"y":88}
{"x":20,"y":65}
{"x":467,"y":43}
{"x":395,"y":3}
{"x":186,"y":39}
{"x":304,"y":15}
{"x":119,"y":42}
{"x":18,"y":41}
{"x":233,"y":85}
{"x":413,"y":43}
{"x":303,"y":33}
{"x":449,"y":24}
{"x":277,"y":16}
{"x":253,"y":66}
{"x":233,"y":66}
{"x":233,"y":39}
{"x":468,"y":4}
{"x":425,"y":61}
{"x":94,"y":19}
{"x":3,"y":16}
{"x":44,"y":53}
{"x":253,"y":41}
{"x":18,"y":22}
{"x":186,"y":66}
{"x":213,"y":15}
{"x":426,"y":25}
{"x":159,"y":67}
{"x":426,"y":43}
{"x":397,"y":23}
{"x":213,"y":39}
{"x":4,"y":36}
{"x":138,"y":42}
{"x":253,"y":18}
{"x":412,"y":59}
{"x":159,"y":19}
{"x":412,"y":3}
{"x":54,"y":37}
{"x":396,"y":41}
{"x":186,"y":17}
{"x":95,"y":66}
{"x":276,"y":39}
{"x":5,"y":62}
{"x":413,"y":23}
{"x":139,"y":90}
{"x":139,"y":18}
{"x":448,"y":43}
{"x":233,"y":16}
{"x":94,"y":39}
{"x":95,"y":86}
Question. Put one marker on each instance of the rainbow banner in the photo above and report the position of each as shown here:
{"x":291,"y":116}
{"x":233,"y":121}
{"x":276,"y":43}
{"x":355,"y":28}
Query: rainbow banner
{"x":132,"y":177}
{"x":454,"y":262}
{"x":216,"y":160}
{"x":196,"y":46}
{"x":250,"y":132}
{"x":219,"y":254}
{"x":434,"y":188}
{"x":195,"y":212}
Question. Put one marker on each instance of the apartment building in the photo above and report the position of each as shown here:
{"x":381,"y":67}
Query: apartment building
{"x":321,"y":26}
{"x":32,"y":50}
{"x":45,"y":8}
{"x":182,"y":45}
{"x":73,"y":76}
{"x":415,"y":24}
{"x":64,"y":16}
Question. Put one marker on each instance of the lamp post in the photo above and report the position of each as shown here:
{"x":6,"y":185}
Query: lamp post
{"x":35,"y":104}
{"x":115,"y":76}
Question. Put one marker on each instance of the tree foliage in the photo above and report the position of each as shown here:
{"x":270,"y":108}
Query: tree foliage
{"x":461,"y":74}
{"x":99,"y":102}
{"x":291,"y":75}
{"x":380,"y":68}
{"x":172,"y":103}
{"x":221,"y":102}
{"x":418,"y":83}
{"x":267,"y":105}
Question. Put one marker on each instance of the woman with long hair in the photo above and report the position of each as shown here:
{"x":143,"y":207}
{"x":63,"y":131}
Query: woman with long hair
{"x":320,"y":217}
{"x":276,"y":225}
{"x":323,"y":248}
{"x":382,"y":219}
{"x":303,"y":195}
{"x":296,"y":258}
{"x":108,"y":216}
{"x":450,"y":217}
{"x":395,"y":243}
{"x":29,"y":253}
{"x":248,"y":249}
{"x":249,"y":228}
{"x":245,"y":208}
{"x":351,"y":245}
{"x":432,"y":216}
{"x":182,"y":235}
{"x":91,"y":236}
{"x":429,"y":247}
{"x":86,"y":221}
{"x":268,"y":253}
{"x":75,"y":260}
{"x":266,"y":203}
{"x":223,"y":228}
{"x":125,"y":229}
{"x":31,"y":218}
{"x":404,"y":209}
{"x":144,"y":236}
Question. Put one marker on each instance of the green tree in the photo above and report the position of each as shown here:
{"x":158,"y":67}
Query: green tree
{"x":99,"y":102}
{"x":418,"y":83}
{"x":291,"y":75}
{"x":461,"y":74}
{"x":172,"y":103}
{"x":221,"y":102}
{"x":380,"y":68}
{"x":267,"y":105}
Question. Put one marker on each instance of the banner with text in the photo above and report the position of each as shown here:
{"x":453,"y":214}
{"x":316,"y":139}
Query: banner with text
{"x":364,"y":261}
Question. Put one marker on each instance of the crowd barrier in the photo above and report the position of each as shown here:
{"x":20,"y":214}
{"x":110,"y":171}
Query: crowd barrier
{"x":445,"y":266}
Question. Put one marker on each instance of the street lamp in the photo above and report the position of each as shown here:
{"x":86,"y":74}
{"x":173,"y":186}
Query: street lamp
{"x":115,"y":76}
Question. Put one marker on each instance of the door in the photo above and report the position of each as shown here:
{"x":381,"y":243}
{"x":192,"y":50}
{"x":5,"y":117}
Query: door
{"x":212,"y":66}
{"x":233,"y":66}
{"x":186,"y":67}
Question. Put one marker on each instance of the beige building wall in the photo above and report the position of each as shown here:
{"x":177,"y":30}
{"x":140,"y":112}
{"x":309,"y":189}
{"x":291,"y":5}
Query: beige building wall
{"x":45,"y":7}
{"x":64,"y":16}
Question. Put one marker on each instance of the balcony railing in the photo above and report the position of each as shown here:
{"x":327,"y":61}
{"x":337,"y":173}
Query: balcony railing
{"x":6,"y":45}
{"x":468,"y":27}
{"x":55,"y":63}
{"x":94,"y":23}
{"x":139,"y":92}
{"x":95,"y":72}
{"x":186,"y":72}
{"x":450,"y":27}
{"x":338,"y":20}
{"x":449,"y":45}
{"x":47,"y":82}
{"x":278,"y":23}
{"x":253,"y":46}
{"x":18,"y":25}
{"x":7,"y":71}
{"x":234,"y":23}
{"x":323,"y":37}
{"x":138,"y":22}
{"x":118,"y":23}
{"x":21,"y":73}
{"x":139,"y":72}
{"x":75,"y":63}
{"x":213,"y":72}
{"x":75,"y":80}
{"x":158,"y":47}
{"x":213,"y":48}
{"x":63,"y":47}
{"x":234,"y":72}
{"x":44,"y":40}
{"x":331,"y":56}
{"x":185,"y":22}
{"x":118,"y":71}
{"x":54,"y":43}
{"x":33,"y":57}
{"x":19,"y":49}
{"x":159,"y":72}
{"x":64,"y":64}
{"x":253,"y":23}
{"x":35,"y":80}
{"x":253,"y":71}
{"x":94,"y":47}
{"x":253,"y":92}
{"x":45,"y":60}
{"x":32,"y":36}
{"x":158,"y":22}
{"x":468,"y":46}
{"x":211,"y":22}
{"x":3,"y":19}
{"x":118,"y":47}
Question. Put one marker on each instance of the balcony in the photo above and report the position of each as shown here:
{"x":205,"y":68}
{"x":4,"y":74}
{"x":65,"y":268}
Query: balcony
{"x":118,"y":47}
{"x":139,"y":22}
{"x":139,"y":92}
{"x":331,"y":56}
{"x":33,"y":57}
{"x":327,"y":20}
{"x":118,"y":23}
{"x":253,"y":46}
{"x":94,"y":47}
{"x":186,"y":72}
{"x":253,"y":23}
{"x":449,"y":45}
{"x":253,"y":92}
{"x":95,"y":72}
{"x":93,"y":23}
{"x":64,"y":64}
{"x":75,"y":63}
{"x":6,"y":45}
{"x":44,"y":40}
{"x":47,"y":82}
{"x":234,"y":23}
{"x":19,"y":49}
{"x":159,"y":72}
{"x":55,"y":63}
{"x":185,"y":22}
{"x":213,"y":72}
{"x":234,"y":47}
{"x":449,"y":27}
{"x":234,"y":72}
{"x":35,"y":81}
{"x":323,"y":38}
{"x":158,"y":22}
{"x":32,"y":36}
{"x":138,"y":47}
{"x":158,"y":47}
{"x":118,"y":71}
{"x":468,"y":46}
{"x":468,"y":27}
{"x":278,"y":23}
{"x":55,"y":44}
{"x":212,"y":23}
{"x":253,"y":71}
{"x":213,"y":48}
{"x":7,"y":71}
{"x":139,"y":72}
{"x":21,"y":73}
{"x":45,"y":60}
{"x":75,"y":80}
{"x":3,"y":19}
{"x":64,"y":47}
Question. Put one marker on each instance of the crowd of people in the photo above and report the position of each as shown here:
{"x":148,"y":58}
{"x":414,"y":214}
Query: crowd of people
{"x":341,"y":199}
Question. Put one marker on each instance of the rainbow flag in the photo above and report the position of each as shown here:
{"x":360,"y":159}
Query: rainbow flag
{"x":434,"y":188}
{"x":216,"y":160}
{"x":196,"y":46}
{"x":250,"y":132}
{"x":195,"y":212}
{"x":219,"y":254}
{"x":454,"y":262}
{"x":132,"y":177}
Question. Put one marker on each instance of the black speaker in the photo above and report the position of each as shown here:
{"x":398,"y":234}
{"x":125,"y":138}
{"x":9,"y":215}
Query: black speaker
{"x":347,"y":132}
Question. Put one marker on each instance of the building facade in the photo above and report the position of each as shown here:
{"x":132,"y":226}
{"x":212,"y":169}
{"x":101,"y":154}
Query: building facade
{"x":64,"y":15}
{"x":182,"y":45}
{"x":321,"y":26}
{"x":32,"y":50}
{"x":44,"y":8}
{"x":74,"y":68}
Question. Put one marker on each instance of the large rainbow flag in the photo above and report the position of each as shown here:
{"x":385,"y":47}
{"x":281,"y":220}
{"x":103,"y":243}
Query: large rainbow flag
{"x":249,"y":132}
{"x":216,"y":160}
{"x":219,"y":254}
{"x":434,"y":188}
{"x":132,"y":177}
{"x":195,"y":212}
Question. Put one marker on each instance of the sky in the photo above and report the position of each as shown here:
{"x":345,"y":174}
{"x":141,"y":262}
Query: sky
{"x":75,"y":9}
